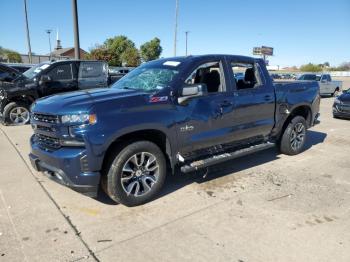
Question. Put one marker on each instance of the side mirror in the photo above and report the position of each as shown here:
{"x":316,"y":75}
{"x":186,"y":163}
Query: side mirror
{"x":44,"y":79}
{"x":190,"y":91}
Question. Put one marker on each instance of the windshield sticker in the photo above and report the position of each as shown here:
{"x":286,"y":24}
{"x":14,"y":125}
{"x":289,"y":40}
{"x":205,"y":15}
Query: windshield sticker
{"x":172,"y":63}
{"x":44,"y":66}
{"x":157,"y":99}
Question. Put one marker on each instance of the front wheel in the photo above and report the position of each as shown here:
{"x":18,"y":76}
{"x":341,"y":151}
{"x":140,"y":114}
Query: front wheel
{"x":16,"y":113}
{"x":336,"y":92}
{"x":294,"y":136}
{"x":136,"y":175}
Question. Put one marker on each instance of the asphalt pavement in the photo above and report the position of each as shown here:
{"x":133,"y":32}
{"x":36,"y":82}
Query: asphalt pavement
{"x":262,"y":207}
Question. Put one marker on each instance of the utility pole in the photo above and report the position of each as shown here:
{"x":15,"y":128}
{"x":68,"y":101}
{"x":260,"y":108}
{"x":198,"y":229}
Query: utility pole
{"x":27,"y":30}
{"x":186,"y":40}
{"x":175,"y":33}
{"x":76,"y":29}
{"x":48,"y":31}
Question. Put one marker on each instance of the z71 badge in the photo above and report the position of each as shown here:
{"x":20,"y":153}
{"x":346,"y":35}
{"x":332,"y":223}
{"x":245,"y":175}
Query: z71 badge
{"x":156,"y":99}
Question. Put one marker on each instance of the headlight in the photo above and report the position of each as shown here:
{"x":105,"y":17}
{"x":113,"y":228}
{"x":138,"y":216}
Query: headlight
{"x":79,"y":119}
{"x":2,"y":94}
{"x":337,"y":101}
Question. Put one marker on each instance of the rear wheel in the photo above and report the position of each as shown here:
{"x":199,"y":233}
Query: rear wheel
{"x":294,"y":136}
{"x":136,"y":174}
{"x":336,"y":92}
{"x":16,"y":113}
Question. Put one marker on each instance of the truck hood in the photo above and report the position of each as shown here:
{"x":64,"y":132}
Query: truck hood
{"x":16,"y":85}
{"x":81,"y":101}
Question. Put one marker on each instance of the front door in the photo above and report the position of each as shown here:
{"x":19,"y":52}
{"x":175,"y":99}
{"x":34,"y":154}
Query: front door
{"x":204,"y":120}
{"x":62,"y":79}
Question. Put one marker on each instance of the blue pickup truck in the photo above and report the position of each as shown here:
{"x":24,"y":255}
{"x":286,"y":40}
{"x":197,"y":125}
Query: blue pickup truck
{"x":182,"y":113}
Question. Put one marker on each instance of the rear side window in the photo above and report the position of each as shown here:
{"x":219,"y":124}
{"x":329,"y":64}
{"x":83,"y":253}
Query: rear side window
{"x":246,"y":75}
{"x":61,"y":72}
{"x":92,"y":70}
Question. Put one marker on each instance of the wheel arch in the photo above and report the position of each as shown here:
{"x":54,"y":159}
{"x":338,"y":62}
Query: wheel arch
{"x":300,"y":110}
{"x":156,"y":136}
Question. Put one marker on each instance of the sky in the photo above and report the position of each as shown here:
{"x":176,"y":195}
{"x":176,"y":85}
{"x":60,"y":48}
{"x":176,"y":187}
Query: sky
{"x":300,"y":31}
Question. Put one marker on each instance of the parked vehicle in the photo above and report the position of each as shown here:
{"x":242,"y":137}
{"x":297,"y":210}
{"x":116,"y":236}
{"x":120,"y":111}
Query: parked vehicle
{"x":21,"y":67}
{"x":275,"y":76}
{"x":341,"y":106}
{"x":327,"y":85}
{"x":47,"y":79}
{"x":8,"y":74}
{"x":185,"y":112}
{"x":115,"y":73}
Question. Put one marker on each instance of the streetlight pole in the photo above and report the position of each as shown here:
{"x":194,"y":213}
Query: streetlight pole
{"x":27,"y":30}
{"x":76,"y":29}
{"x":186,"y":40}
{"x":175,"y":33}
{"x":49,"y":34}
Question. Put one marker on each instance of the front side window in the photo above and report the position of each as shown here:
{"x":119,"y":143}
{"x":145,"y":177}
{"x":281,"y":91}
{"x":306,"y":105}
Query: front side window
{"x":147,"y":78}
{"x":209,"y":74}
{"x":246,"y":75}
{"x":61,"y":72}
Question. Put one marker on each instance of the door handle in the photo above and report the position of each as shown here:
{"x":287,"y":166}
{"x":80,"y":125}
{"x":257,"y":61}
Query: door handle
{"x":226,"y":103}
{"x":267,"y":97}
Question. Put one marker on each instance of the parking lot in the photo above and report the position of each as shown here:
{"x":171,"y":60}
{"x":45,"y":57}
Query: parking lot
{"x":263,"y":207}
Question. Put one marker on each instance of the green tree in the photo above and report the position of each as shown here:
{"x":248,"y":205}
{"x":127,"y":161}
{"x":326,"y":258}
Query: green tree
{"x":151,"y":50}
{"x":117,"y":46}
{"x":10,"y":55}
{"x":130,"y":57}
{"x":99,"y":53}
{"x":311,"y":68}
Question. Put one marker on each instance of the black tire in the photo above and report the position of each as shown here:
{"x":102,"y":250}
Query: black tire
{"x":289,"y":143}
{"x":112,"y":179}
{"x":336,"y":91}
{"x":9,"y":109}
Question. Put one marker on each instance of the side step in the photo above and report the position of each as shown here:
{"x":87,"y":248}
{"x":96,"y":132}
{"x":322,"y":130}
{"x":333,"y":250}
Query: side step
{"x":216,"y":159}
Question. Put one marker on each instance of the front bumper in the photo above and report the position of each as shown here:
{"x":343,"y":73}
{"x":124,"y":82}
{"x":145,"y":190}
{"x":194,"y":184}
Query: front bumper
{"x":66,"y":166}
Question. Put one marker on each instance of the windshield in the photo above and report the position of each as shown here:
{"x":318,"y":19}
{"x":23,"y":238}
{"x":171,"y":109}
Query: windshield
{"x":147,"y":79}
{"x":32,"y":72}
{"x":309,"y":77}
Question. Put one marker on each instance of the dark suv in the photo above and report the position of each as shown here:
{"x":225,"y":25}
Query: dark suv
{"x":47,"y":79}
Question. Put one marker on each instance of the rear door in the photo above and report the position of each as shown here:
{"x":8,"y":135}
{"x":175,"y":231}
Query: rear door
{"x":254,"y":107}
{"x":63,"y":79}
{"x":92,"y":74}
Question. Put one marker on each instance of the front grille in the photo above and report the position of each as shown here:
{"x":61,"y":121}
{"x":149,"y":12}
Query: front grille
{"x":47,"y":142}
{"x":45,"y":118}
{"x":45,"y":128}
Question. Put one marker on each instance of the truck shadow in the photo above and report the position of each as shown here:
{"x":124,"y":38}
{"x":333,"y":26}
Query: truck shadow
{"x":180,"y":180}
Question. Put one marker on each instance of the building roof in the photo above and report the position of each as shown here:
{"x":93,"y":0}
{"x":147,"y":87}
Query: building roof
{"x":62,"y":51}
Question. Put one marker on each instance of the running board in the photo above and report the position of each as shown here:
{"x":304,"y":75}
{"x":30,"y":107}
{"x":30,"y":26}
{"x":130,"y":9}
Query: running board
{"x":216,"y":159}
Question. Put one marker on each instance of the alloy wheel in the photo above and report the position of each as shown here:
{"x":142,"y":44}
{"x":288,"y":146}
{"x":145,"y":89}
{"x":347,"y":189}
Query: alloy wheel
{"x":139,"y":174}
{"x":19,"y":115}
{"x":297,"y":136}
